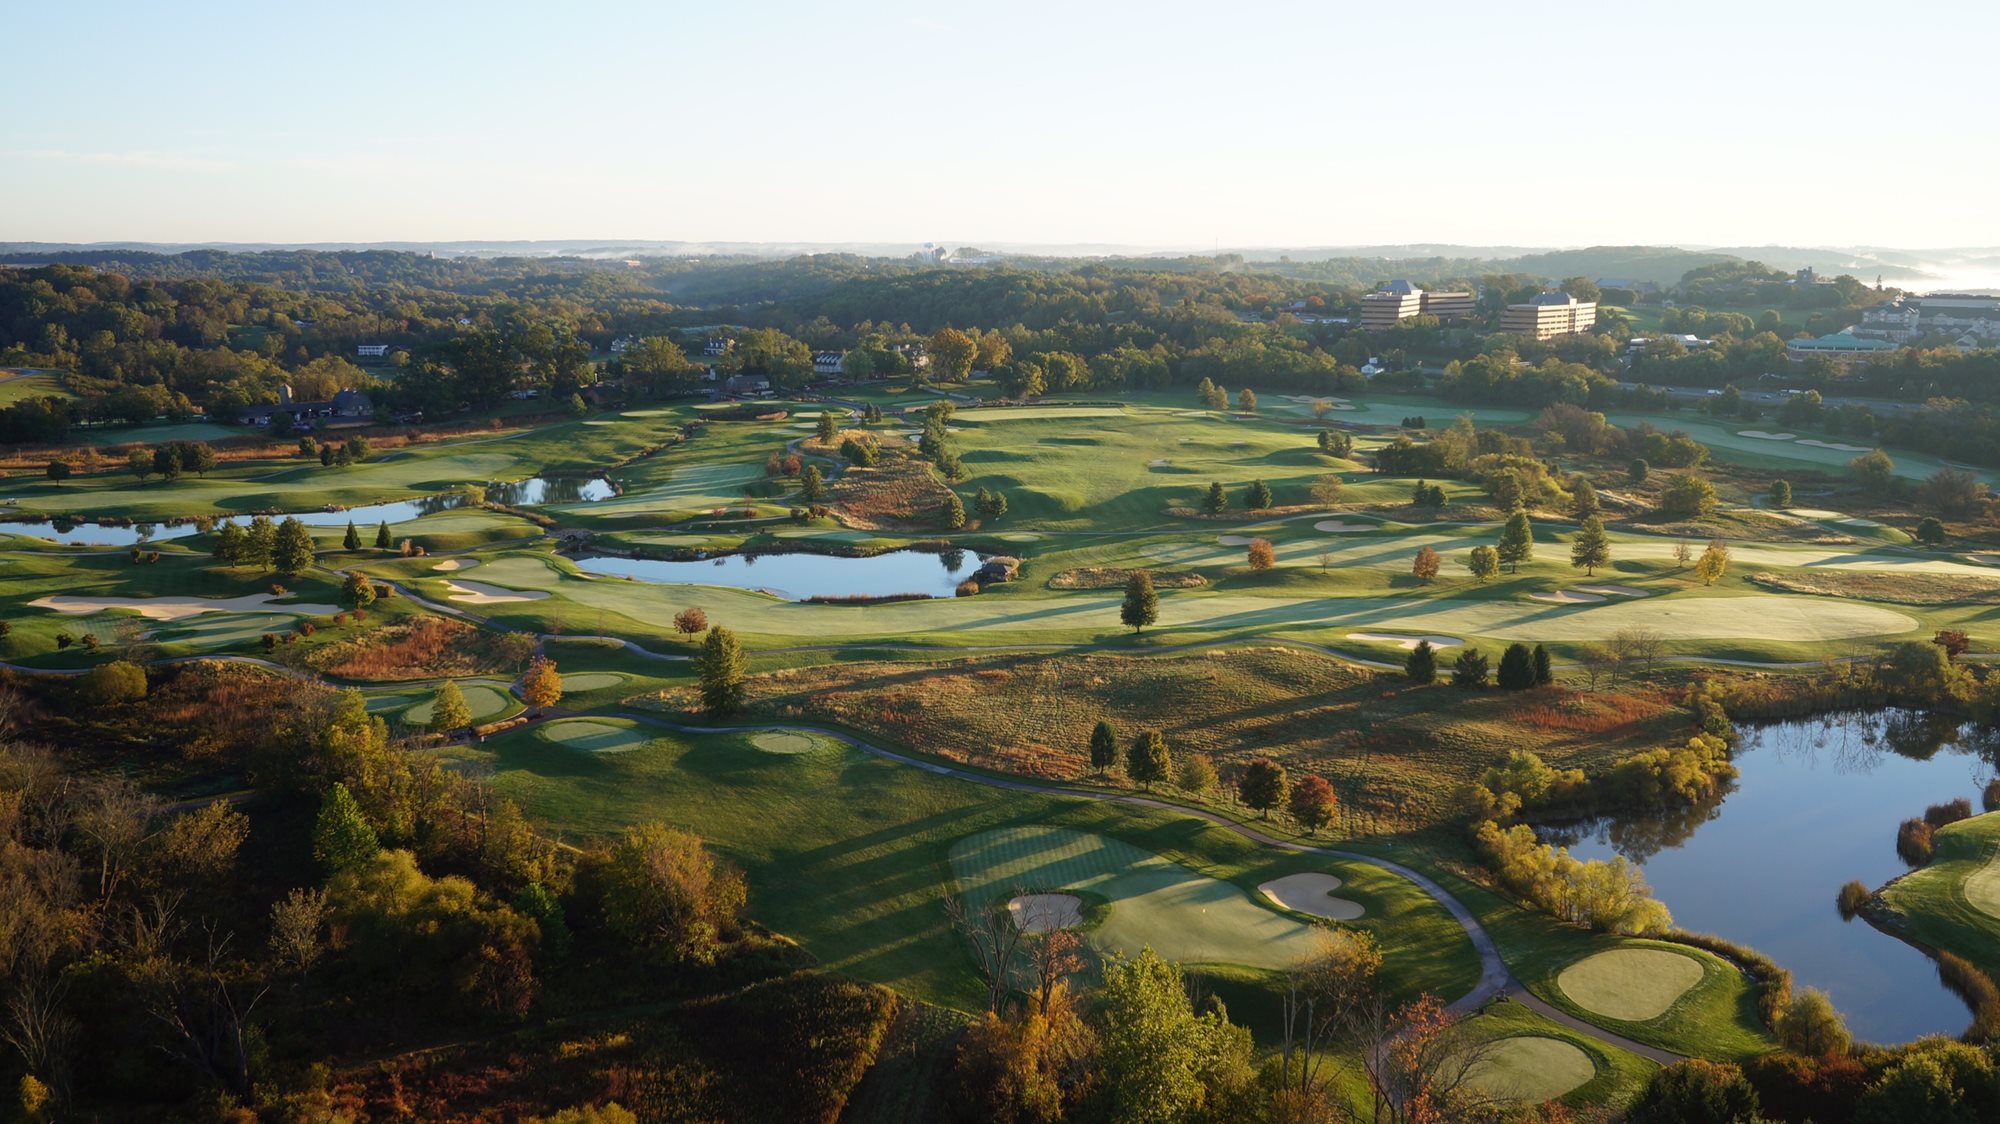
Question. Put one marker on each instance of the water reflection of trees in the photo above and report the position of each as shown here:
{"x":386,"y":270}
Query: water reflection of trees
{"x":952,"y":560}
{"x":1641,"y":835}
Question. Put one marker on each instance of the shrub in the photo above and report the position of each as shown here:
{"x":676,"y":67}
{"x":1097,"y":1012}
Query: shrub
{"x":1774,"y":983}
{"x":1262,"y":555}
{"x":1695,"y":1090}
{"x":113,"y":684}
{"x":1990,"y":799}
{"x":1914,"y":844}
{"x":1853,"y":896}
{"x":1950,"y":812}
{"x":1812,"y":1027}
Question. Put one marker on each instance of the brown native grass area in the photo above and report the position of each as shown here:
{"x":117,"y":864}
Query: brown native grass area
{"x":414,"y":648}
{"x":1394,"y":752}
{"x":1901,"y":588}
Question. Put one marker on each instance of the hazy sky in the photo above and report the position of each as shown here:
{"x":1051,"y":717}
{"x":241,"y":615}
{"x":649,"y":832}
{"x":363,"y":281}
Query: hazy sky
{"x":1143,"y":124}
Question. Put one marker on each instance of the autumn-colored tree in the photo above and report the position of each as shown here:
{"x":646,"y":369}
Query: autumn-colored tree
{"x":1713,"y":563}
{"x":1262,"y":555}
{"x":1264,"y":786}
{"x":689,"y":621}
{"x":1313,"y":802}
{"x":541,"y":685}
{"x":1425,"y":565}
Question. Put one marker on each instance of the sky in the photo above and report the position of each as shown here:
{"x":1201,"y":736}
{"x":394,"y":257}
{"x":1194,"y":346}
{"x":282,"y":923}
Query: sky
{"x":1162,"y":124}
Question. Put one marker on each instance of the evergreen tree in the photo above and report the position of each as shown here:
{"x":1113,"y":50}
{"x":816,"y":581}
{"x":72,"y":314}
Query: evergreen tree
{"x":1218,"y":500}
{"x":954,"y":510}
{"x":1436,"y":500}
{"x":342,"y":837}
{"x":383,"y":539}
{"x":1544,"y":670}
{"x":1590,"y":549}
{"x":1258,"y":496}
{"x":722,"y":672}
{"x":352,"y":541}
{"x":828,"y":427}
{"x":1142,"y":603}
{"x":1103,"y":746}
{"x":1781,"y":494}
{"x":1421,"y":666}
{"x":1517,"y":668}
{"x":230,"y":543}
{"x":1583,"y":502}
{"x":1517,"y":542}
{"x":1149,"y":759}
{"x":1930,"y":532}
{"x":292,"y":548}
{"x":1638,"y":470}
{"x":448,"y":709}
{"x":812,"y":485}
{"x":1420,"y":496}
{"x":1468,"y":671}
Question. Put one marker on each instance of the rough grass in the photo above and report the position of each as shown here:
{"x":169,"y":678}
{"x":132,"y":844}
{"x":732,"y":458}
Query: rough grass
{"x":1631,"y":984}
{"x":1394,"y":753}
{"x":1103,"y":577}
{"x":427,"y":647}
{"x":1953,"y":904}
{"x":1875,"y":585}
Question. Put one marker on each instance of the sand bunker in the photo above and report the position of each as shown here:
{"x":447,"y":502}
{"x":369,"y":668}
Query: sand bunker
{"x":1614,"y":590}
{"x":1233,"y":540}
{"x":1159,"y":463}
{"x":1337,"y":526}
{"x":1632,"y":984}
{"x":1565,"y":597}
{"x":1407,"y":643}
{"x":1855,"y":521}
{"x":479,"y":593}
{"x":1311,"y":893}
{"x":1987,"y":559}
{"x":180,"y":608}
{"x":1763,"y":436}
{"x":1815,"y":513}
{"x":1834,"y":445}
{"x":451,"y":564}
{"x":784,"y":741}
{"x":1040,"y":913}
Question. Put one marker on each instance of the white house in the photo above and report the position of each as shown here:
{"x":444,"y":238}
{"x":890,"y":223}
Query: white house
{"x":829,"y":363}
{"x":372,"y":350}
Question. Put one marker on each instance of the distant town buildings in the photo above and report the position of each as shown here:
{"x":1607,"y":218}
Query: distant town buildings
{"x":1843,"y":349}
{"x":1967,"y":319}
{"x":351,"y":407}
{"x":716,"y":346}
{"x":1550,"y":314}
{"x":1399,"y":301}
{"x":623,"y":344}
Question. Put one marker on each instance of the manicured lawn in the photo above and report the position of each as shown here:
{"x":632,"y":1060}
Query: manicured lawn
{"x":1954,"y":903}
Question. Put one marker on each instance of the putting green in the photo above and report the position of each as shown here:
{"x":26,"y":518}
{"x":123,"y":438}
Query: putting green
{"x":596,"y":735}
{"x":1632,"y":984}
{"x":481,"y":700}
{"x":1531,"y":1068}
{"x":591,"y":681}
{"x":1982,"y":889}
{"x":784,"y":741}
{"x":1182,"y":915}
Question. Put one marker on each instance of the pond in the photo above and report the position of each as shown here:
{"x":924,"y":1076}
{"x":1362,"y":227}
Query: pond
{"x":801,"y":577}
{"x":522,"y":493}
{"x":1816,"y":805}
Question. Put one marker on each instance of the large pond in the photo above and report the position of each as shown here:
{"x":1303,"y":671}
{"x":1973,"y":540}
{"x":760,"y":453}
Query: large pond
{"x":801,"y":577}
{"x":1816,"y":805}
{"x":523,"y":493}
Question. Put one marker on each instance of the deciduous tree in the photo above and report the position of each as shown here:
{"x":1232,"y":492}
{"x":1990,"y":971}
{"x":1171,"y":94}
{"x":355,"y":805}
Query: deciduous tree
{"x":1261,"y":554}
{"x":541,"y":684}
{"x":448,"y":709}
{"x":1425,"y":565}
{"x":1484,"y":563}
{"x":1313,"y":802}
{"x":1263,"y":786}
{"x":1149,"y":759}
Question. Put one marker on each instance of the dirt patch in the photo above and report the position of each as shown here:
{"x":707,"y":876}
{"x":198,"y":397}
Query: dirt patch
{"x":1106,"y":577}
{"x":1311,"y":893}
{"x":1894,"y":587}
{"x":418,"y":648}
{"x":1042,"y":913}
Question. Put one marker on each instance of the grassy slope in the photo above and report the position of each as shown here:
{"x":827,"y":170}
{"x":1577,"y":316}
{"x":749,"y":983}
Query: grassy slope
{"x":1931,"y":904}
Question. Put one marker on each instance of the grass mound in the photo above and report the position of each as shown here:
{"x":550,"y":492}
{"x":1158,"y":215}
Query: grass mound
{"x":591,"y":681}
{"x":784,"y":741}
{"x":1633,"y":984}
{"x":1181,"y":914}
{"x":1532,"y":1068}
{"x":596,"y":735}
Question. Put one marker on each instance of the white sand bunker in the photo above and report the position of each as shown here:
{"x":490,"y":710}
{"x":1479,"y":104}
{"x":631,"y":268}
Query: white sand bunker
{"x":1763,"y":436}
{"x":1158,"y":463}
{"x":180,"y":608}
{"x":1311,"y":893}
{"x":1987,"y":559}
{"x":1339,"y":526}
{"x":1041,"y":913}
{"x":1815,"y":513}
{"x":479,"y":593}
{"x":1407,"y":643}
{"x":1834,"y":445}
{"x":1614,"y":590}
{"x":451,"y":564}
{"x":1233,"y":540}
{"x":1565,"y":597}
